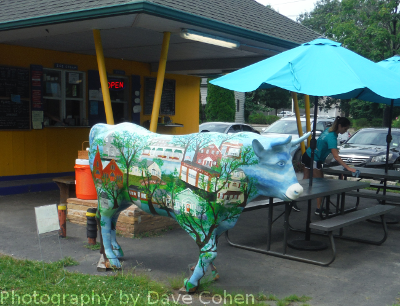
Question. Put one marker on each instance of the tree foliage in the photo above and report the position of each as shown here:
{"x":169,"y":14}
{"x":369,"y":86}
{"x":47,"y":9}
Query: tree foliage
{"x":220,"y":104}
{"x":370,"y":28}
{"x":264,"y":100}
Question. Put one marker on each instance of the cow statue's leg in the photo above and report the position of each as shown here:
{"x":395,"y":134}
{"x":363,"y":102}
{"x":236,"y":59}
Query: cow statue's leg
{"x":207,"y":255}
{"x":116,"y":248}
{"x":222,"y":228}
{"x":106,"y":229}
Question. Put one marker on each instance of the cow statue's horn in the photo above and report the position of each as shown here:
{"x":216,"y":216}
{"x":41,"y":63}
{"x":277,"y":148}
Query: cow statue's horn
{"x":300,"y":139}
{"x":280,"y":141}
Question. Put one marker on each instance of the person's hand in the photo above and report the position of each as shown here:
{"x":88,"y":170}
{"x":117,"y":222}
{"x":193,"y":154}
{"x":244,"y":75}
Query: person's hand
{"x":351,"y":169}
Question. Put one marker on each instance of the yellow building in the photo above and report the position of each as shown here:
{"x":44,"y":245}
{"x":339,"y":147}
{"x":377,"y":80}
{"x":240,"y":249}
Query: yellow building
{"x":50,"y":84}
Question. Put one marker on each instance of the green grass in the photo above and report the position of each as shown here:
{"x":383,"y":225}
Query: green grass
{"x":93,"y":247}
{"x":23,"y":280}
{"x":176,"y":282}
{"x":22,"y":283}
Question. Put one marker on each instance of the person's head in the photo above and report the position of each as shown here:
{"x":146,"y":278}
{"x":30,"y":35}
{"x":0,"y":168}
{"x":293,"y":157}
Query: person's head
{"x":340,"y":126}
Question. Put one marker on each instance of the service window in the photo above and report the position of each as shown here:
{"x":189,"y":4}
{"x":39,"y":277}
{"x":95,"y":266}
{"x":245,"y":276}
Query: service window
{"x":119,"y":95}
{"x":64,"y":102}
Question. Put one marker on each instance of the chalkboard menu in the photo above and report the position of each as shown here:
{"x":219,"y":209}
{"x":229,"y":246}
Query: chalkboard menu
{"x":167,"y":106}
{"x":14,"y":81}
{"x":14,"y":115}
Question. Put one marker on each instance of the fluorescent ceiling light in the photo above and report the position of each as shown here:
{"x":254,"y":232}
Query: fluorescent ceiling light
{"x":209,"y":39}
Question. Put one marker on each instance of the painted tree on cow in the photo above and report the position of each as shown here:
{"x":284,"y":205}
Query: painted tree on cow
{"x":129,"y":147}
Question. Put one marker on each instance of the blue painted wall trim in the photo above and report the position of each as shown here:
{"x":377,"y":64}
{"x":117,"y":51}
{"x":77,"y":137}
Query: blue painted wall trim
{"x":35,"y":176}
{"x":28,"y":188}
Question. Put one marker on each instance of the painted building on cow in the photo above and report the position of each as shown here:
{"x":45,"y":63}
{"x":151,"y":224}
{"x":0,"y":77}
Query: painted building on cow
{"x":231,"y":149}
{"x":197,"y":175}
{"x":152,"y":168}
{"x":162,"y":148}
{"x":109,"y":150}
{"x":97,"y":166}
{"x":106,"y":172}
{"x":187,"y":201}
{"x":136,"y":194}
{"x":113,"y":173}
{"x":232,"y":192}
{"x":209,"y":156}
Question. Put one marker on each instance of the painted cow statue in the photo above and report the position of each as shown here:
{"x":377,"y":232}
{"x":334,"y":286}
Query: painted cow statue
{"x":202,"y":180}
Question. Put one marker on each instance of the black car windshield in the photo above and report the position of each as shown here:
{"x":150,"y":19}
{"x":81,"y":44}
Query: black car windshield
{"x":213,"y":127}
{"x":289,"y":127}
{"x":373,"y":137}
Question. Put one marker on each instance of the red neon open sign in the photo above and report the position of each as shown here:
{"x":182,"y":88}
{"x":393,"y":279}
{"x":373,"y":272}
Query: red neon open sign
{"x":116,"y":85}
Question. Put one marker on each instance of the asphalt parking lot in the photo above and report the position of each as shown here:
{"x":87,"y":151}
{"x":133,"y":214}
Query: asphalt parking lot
{"x":361,"y":275}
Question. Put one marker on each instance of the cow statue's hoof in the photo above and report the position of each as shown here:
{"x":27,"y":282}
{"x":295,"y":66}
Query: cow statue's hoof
{"x":113,"y":263}
{"x":189,"y":286}
{"x":215,"y":275}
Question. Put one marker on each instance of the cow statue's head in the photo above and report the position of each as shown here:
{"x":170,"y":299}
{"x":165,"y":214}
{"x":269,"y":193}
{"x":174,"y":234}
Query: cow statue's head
{"x":274,"y":174}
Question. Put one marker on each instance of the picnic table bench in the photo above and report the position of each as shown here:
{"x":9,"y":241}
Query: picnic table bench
{"x":339,"y":222}
{"x":393,"y":200}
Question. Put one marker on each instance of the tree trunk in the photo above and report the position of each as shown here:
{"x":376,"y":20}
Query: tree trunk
{"x":151,"y":207}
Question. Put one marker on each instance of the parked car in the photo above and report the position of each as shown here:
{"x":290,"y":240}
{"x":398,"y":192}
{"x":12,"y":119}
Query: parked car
{"x":226,"y":127}
{"x":285,"y":114}
{"x":288,"y":126}
{"x":342,"y":138}
{"x":367,"y":148}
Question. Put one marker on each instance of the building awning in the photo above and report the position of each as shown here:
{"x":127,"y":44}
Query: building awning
{"x":178,"y":151}
{"x":160,"y":149}
{"x":168,"y":150}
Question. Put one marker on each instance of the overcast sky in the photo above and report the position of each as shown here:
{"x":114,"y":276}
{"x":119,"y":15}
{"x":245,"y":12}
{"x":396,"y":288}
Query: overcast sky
{"x":290,"y":8}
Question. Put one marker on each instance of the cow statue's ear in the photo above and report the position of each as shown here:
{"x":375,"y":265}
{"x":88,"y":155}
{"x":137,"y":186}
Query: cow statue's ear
{"x":258,"y":148}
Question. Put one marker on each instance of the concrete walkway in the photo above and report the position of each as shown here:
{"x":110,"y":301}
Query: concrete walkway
{"x":361,"y":275}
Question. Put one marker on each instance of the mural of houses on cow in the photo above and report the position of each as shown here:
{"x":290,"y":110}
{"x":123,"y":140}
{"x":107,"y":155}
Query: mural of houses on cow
{"x":110,"y":173}
{"x":162,"y":148}
{"x":199,"y":172}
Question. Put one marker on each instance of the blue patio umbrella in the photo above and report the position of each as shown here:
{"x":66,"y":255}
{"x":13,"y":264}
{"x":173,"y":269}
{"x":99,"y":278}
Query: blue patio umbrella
{"x":392,"y":63}
{"x":321,"y":67}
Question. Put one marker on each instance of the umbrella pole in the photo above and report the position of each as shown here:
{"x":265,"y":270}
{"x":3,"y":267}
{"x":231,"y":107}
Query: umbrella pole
{"x":389,"y":138}
{"x":313,"y":142}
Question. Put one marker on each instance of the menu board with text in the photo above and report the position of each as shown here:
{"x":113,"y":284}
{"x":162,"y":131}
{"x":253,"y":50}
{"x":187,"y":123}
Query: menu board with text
{"x":14,"y":115}
{"x":167,"y":106}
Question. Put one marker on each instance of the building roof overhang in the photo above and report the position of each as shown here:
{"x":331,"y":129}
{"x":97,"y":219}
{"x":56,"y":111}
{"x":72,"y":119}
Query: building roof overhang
{"x":133,"y":30}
